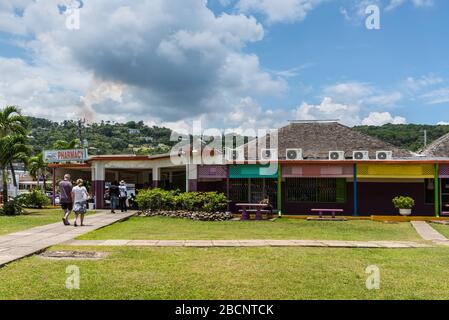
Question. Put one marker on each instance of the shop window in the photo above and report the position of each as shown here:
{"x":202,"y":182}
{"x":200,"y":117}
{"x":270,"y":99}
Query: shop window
{"x":316,"y":190}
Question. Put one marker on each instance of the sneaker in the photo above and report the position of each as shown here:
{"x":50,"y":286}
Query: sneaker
{"x":65,"y":222}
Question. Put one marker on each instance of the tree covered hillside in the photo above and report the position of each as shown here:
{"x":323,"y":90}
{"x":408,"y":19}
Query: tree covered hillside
{"x":103,"y":138}
{"x":407,"y":136}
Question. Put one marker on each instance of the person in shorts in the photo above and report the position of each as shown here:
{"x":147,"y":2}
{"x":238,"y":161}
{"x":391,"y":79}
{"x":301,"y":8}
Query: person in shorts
{"x":80,"y":197}
{"x":65,"y":190}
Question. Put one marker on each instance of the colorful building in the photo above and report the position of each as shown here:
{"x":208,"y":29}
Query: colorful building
{"x":311,"y":165}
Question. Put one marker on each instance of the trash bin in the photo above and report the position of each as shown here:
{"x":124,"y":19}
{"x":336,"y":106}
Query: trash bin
{"x":91,"y":206}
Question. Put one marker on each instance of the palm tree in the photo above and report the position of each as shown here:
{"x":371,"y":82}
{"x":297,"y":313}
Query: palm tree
{"x":38,"y":169}
{"x":66,"y":145}
{"x":12,"y":150}
{"x":13,"y":129}
{"x":12,"y":122}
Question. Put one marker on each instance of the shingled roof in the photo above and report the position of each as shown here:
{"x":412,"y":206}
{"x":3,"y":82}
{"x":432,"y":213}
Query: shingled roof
{"x":438,"y":148}
{"x":316,"y":139}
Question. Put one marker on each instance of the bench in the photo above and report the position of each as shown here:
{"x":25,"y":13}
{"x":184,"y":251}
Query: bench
{"x":246,"y":208}
{"x":445,"y":213}
{"x":333,"y":211}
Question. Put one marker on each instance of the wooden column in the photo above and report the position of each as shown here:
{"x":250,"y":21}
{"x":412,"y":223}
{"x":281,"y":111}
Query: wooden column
{"x":437,"y":190}
{"x":280,"y":190}
{"x":355,"y":213}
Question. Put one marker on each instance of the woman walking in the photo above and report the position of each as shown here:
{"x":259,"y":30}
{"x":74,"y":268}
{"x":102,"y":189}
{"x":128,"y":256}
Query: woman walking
{"x":80,"y":197}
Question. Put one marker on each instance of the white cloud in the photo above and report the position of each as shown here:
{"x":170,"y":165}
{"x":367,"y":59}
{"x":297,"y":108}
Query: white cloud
{"x":329,"y":110}
{"x":279,"y":10}
{"x":443,"y":123}
{"x":416,"y":3}
{"x":437,"y":96}
{"x":416,"y":84}
{"x":154,"y":60}
{"x":381,"y":118}
{"x":360,"y":93}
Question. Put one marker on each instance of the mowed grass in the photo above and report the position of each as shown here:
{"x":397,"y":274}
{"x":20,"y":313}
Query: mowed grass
{"x":32,"y":218}
{"x":163,"y":228}
{"x":233,"y":273}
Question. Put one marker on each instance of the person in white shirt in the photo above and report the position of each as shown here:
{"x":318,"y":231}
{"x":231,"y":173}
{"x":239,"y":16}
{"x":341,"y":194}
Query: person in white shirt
{"x":123,"y":196}
{"x":80,"y":197}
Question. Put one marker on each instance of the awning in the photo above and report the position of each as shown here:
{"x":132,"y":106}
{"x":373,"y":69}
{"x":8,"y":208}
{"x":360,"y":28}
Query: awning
{"x":444,"y":171}
{"x":212,"y":172}
{"x":411,"y":171}
{"x":253,"y":171}
{"x":318,"y":171}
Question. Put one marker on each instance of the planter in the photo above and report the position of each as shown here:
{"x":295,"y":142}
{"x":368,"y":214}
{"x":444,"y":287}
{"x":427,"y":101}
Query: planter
{"x":405,"y":212}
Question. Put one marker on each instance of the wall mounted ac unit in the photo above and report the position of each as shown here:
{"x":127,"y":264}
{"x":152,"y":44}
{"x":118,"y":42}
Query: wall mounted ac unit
{"x":384,"y":155}
{"x":360,"y":155}
{"x":336,"y":155}
{"x":233,"y":155}
{"x":293,"y":154}
{"x":268,"y":154}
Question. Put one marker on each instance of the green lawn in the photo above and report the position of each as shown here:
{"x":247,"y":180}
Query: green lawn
{"x":33,"y":218}
{"x":163,"y":228}
{"x":233,"y":273}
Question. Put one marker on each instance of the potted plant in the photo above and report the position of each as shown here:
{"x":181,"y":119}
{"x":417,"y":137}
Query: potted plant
{"x":404,"y":204}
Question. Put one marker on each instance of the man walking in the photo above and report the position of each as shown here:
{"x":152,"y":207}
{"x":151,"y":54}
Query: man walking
{"x":123,"y":196}
{"x":114,"y":194}
{"x":65,"y":189}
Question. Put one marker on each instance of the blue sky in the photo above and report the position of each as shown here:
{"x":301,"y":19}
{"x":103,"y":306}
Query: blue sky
{"x":228,"y":62}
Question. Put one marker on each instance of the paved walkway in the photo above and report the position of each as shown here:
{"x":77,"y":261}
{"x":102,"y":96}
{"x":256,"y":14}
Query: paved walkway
{"x":428,"y":233}
{"x":251,"y":243}
{"x":21,"y":244}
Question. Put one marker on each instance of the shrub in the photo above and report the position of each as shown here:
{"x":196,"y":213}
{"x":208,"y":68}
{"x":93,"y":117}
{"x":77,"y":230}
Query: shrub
{"x":35,"y":199}
{"x":215,"y":202}
{"x":158,"y":199}
{"x":402,"y":202}
{"x":11,"y":208}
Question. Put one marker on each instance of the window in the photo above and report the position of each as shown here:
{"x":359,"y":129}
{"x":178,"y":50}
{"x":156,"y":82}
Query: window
{"x":430,"y":191}
{"x":238,"y":190}
{"x":316,"y":190}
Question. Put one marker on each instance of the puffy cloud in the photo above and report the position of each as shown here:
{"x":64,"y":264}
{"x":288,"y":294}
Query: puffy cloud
{"x":156,"y":60}
{"x":279,"y":10}
{"x":329,"y":110}
{"x":381,"y":118}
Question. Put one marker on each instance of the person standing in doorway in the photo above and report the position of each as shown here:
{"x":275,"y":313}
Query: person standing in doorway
{"x":114,"y":194}
{"x":65,"y":190}
{"x":123,"y":196}
{"x":80,"y":197}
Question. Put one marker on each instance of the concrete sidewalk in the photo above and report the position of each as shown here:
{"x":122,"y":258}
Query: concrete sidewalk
{"x":251,"y":243}
{"x":21,"y":244}
{"x":430,"y":234}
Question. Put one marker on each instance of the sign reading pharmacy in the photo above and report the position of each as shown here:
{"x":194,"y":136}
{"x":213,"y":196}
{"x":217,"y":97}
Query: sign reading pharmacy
{"x":53,"y":156}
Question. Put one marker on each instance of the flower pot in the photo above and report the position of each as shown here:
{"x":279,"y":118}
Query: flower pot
{"x":405,"y":212}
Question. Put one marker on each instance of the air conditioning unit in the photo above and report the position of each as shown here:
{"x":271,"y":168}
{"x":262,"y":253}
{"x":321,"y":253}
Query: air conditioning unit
{"x":360,"y":155}
{"x":233,"y":155}
{"x":384,"y":155}
{"x":293,"y":154}
{"x":336,"y":155}
{"x":268,"y":154}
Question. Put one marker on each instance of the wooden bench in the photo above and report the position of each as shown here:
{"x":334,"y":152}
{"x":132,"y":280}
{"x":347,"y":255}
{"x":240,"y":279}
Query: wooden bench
{"x":333,"y":211}
{"x":445,"y":213}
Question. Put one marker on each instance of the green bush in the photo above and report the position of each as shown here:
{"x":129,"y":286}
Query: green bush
{"x":402,"y":202}
{"x":36,"y":199}
{"x":11,"y":208}
{"x":215,"y":202}
{"x":158,"y":199}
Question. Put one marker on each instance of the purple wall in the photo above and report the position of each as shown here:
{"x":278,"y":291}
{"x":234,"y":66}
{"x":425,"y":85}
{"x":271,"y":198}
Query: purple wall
{"x":373,"y":199}
{"x":98,"y":192}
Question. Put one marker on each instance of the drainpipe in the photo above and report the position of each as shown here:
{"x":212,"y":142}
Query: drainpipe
{"x":279,"y":190}
{"x":437,"y":190}
{"x":355,"y":214}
